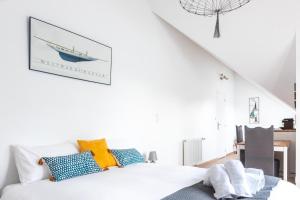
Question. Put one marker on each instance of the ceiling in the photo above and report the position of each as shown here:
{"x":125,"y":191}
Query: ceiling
{"x":257,"y":40}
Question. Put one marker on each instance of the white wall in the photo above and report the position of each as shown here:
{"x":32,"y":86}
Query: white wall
{"x":298,"y":103}
{"x":163,"y":85}
{"x":272,"y":110}
{"x":255,"y":41}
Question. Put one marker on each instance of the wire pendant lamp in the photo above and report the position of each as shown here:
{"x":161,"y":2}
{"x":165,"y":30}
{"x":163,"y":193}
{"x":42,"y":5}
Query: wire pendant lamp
{"x":211,"y":8}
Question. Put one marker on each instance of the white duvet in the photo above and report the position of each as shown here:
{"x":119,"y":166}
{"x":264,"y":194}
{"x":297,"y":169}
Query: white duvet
{"x":140,"y":181}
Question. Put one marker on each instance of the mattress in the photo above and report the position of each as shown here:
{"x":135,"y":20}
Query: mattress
{"x":138,"y":181}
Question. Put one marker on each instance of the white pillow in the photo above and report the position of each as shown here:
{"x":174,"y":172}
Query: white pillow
{"x":27,"y":160}
{"x":219,"y":179}
{"x":237,"y":175}
{"x":255,"y":179}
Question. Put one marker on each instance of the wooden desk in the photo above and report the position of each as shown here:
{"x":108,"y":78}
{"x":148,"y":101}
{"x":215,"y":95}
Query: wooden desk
{"x":291,"y":136}
{"x":284,"y":130}
{"x":280,"y":146}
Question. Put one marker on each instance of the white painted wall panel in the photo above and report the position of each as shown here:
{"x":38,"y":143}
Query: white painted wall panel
{"x":163,"y":85}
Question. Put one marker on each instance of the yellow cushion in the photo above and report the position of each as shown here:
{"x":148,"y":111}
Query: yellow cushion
{"x":99,"y":150}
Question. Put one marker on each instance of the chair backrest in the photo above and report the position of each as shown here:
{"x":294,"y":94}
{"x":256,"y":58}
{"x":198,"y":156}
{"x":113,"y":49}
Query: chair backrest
{"x":259,"y":152}
{"x":239,"y":134}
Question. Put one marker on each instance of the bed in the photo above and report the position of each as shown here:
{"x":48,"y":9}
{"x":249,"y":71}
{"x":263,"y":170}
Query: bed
{"x":137,"y":181}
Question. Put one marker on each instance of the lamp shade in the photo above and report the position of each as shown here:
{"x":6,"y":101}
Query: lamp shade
{"x":152,"y":156}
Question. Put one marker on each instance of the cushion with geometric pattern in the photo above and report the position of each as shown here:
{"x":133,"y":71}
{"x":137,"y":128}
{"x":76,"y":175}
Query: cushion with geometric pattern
{"x":126,"y":157}
{"x":66,"y":167}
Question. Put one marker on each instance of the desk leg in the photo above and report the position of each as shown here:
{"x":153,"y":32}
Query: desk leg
{"x":285,"y":164}
{"x":238,"y":152}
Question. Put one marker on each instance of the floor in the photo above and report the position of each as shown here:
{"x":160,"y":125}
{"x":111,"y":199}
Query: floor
{"x":208,"y":164}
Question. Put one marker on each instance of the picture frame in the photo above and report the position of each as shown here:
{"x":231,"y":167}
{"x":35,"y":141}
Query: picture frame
{"x":55,"y":50}
{"x":254,"y":115}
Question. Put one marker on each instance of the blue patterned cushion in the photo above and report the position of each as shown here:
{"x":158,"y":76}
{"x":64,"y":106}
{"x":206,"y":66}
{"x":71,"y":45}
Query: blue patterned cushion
{"x":65,"y":167}
{"x":127,"y":156}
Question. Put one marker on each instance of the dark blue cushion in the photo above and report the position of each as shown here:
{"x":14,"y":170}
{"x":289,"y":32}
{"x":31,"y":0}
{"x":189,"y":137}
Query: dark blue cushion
{"x":66,"y":167}
{"x":126,"y":157}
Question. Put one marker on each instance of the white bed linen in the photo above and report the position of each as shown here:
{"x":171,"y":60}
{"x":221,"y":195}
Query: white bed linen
{"x":140,"y":181}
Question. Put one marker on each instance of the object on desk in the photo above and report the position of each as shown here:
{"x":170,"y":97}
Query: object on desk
{"x":288,"y":123}
{"x":152,"y":156}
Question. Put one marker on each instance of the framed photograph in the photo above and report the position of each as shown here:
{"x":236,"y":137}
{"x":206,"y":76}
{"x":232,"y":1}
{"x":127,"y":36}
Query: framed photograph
{"x":254,"y":110}
{"x":57,"y":51}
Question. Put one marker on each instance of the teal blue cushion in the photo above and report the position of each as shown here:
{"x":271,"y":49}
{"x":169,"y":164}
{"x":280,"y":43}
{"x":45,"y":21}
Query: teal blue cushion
{"x":127,"y":156}
{"x":66,"y":167}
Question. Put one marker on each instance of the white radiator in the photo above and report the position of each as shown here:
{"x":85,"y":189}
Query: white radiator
{"x":192,"y":152}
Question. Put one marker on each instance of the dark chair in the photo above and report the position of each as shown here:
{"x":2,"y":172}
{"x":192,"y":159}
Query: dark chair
{"x":259,"y":149}
{"x":239,"y":134}
{"x":240,"y":138}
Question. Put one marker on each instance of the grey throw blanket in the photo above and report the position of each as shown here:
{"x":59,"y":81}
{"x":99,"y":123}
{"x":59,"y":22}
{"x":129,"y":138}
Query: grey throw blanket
{"x":200,"y":191}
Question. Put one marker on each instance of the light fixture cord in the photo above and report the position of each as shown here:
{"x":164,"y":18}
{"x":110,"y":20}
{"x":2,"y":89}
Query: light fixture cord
{"x":217,"y":27}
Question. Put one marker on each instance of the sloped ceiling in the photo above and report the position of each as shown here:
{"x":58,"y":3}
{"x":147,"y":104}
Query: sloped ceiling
{"x":257,"y":41}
